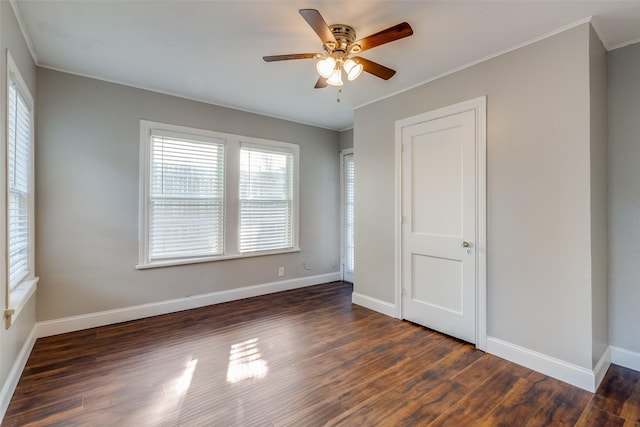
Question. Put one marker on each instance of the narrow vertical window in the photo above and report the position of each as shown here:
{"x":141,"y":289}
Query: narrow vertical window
{"x":266,"y":199}
{"x":348,"y":216}
{"x":19,"y":160}
{"x":186,"y":198}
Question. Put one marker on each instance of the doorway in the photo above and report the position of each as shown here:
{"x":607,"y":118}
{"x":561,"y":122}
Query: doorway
{"x":441,"y":231}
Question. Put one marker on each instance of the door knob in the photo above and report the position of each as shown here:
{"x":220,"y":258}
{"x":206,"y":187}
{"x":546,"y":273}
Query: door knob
{"x":466,"y":244}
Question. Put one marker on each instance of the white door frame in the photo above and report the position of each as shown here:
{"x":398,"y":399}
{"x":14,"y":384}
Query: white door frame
{"x":343,"y":153}
{"x":479,"y":106}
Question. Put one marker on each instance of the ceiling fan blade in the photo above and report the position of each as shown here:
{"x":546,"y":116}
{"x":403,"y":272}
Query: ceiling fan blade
{"x":394,"y":33}
{"x":321,"y":83}
{"x":375,"y":68}
{"x":315,"y":21}
{"x":290,"y":56}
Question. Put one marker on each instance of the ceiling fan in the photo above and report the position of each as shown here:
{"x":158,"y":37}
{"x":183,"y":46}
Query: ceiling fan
{"x":340,"y":46}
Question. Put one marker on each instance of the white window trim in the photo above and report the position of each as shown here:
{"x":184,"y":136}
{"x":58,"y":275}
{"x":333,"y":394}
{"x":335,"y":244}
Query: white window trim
{"x":17,"y":298}
{"x":231,"y":200}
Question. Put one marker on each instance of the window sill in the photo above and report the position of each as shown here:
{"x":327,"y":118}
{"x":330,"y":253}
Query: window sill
{"x":174,"y":262}
{"x":18,"y":299}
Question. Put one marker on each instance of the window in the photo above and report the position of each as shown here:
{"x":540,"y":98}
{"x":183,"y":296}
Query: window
{"x":19,"y":191}
{"x":209,"y":196}
{"x":348,"y":203}
{"x":186,"y":197}
{"x":266,"y":199}
{"x":18,"y":183}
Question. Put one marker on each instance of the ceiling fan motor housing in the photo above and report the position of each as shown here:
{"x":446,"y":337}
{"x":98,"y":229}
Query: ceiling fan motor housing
{"x":345,"y":35}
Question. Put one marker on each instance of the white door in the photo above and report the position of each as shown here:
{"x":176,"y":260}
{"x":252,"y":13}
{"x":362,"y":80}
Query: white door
{"x":438,"y":238}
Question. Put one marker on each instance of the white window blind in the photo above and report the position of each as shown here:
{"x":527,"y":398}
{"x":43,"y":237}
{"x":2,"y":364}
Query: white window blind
{"x":211,"y":196}
{"x":186,"y":194}
{"x":266,"y":199}
{"x":349,"y":203}
{"x":18,"y":177}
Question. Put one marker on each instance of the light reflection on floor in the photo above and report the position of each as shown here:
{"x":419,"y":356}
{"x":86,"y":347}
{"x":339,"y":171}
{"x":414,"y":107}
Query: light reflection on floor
{"x":246,"y":362}
{"x":184,"y":381}
{"x":167,"y":404}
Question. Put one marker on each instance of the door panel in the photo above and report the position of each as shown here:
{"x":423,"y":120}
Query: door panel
{"x":436,"y":180}
{"x":438,"y":213}
{"x":433,"y":271}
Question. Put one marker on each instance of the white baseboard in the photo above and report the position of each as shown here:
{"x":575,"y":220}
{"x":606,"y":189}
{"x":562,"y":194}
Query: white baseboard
{"x":92,"y":320}
{"x":374,"y":304}
{"x":11,"y":382}
{"x":601,"y":367}
{"x":556,"y":368}
{"x":626,"y":358}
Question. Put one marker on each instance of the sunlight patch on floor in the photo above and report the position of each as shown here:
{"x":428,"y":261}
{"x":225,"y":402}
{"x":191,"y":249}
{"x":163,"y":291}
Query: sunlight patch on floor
{"x":246,"y":362}
{"x":166,"y":406}
{"x":184,"y":381}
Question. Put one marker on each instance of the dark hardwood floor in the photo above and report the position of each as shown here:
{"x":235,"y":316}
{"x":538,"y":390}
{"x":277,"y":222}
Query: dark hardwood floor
{"x":300,"y":358}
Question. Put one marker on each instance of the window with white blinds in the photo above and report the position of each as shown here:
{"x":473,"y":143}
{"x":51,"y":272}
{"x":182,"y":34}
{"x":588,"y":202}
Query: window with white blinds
{"x":266,"y":199}
{"x":348,"y":218}
{"x":186,"y":209}
{"x":208,"y":196}
{"x":19,"y":161}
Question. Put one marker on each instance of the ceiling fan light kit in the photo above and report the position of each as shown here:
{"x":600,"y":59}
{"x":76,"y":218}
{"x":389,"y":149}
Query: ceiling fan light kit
{"x":326,"y":67}
{"x":331,"y":70}
{"x":336,"y":77}
{"x":352,"y":68}
{"x":339,"y":43}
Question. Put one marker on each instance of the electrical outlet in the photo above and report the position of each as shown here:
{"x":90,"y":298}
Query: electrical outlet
{"x":280,"y":271}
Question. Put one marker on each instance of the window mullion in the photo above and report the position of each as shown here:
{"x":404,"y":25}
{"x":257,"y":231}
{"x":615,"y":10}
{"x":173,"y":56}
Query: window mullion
{"x":232,"y":213}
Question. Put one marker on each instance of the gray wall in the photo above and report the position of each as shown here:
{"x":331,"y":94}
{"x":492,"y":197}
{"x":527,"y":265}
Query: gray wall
{"x":539,"y":201}
{"x":12,"y":340}
{"x":346,"y":139}
{"x":599,"y":226}
{"x":624,"y":196}
{"x":87,"y":185}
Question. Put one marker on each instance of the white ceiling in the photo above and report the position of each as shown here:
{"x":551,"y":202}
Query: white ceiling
{"x":212,"y":50}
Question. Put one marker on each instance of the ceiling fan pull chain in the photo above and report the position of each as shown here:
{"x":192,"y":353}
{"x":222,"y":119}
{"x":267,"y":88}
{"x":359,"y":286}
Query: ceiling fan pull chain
{"x":339,"y":92}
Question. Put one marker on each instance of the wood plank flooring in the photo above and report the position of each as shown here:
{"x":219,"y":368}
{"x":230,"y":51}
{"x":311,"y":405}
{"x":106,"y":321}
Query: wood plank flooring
{"x":299,"y":358}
